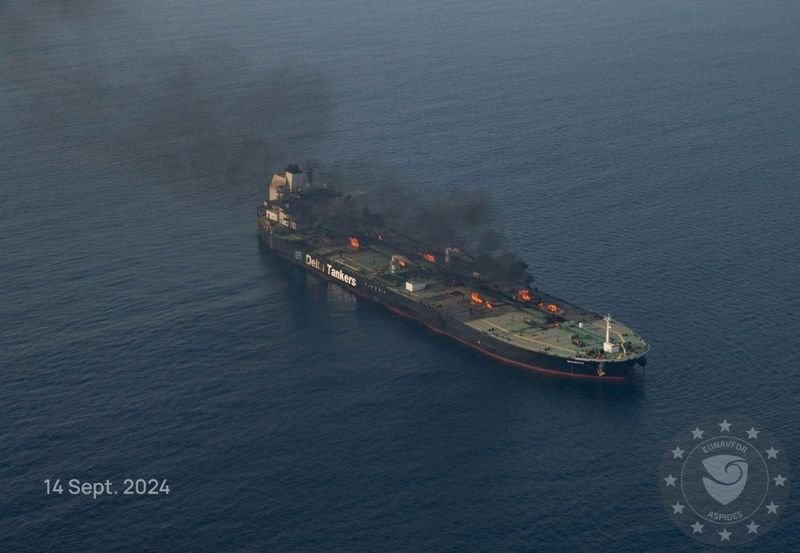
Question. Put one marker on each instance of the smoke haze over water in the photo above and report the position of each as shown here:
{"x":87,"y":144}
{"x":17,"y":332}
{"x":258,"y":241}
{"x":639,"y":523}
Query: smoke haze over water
{"x":189,"y":110}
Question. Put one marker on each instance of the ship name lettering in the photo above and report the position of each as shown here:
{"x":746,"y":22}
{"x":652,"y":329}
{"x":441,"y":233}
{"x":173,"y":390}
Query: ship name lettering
{"x":312,"y":262}
{"x":341,"y":275}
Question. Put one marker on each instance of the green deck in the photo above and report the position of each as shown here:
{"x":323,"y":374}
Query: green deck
{"x":505,"y":321}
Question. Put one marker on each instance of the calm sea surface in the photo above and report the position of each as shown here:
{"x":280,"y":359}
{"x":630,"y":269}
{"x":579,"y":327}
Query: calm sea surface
{"x":643,"y":159}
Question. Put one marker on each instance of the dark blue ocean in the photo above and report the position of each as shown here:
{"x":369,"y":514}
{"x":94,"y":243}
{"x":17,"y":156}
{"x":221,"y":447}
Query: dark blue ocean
{"x":643,"y":157}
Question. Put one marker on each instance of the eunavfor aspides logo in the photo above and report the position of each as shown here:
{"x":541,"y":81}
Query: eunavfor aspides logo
{"x":726,"y":481}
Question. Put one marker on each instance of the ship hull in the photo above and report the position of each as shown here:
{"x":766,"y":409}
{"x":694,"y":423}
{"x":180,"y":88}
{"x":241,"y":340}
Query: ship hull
{"x":603,"y":370}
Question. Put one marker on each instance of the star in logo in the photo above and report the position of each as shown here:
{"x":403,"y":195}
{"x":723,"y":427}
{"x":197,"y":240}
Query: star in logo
{"x":772,"y":453}
{"x":670,"y":480}
{"x":779,"y":480}
{"x":725,"y":535}
{"x":697,"y":528}
{"x":677,"y":453}
{"x":677,"y":509}
{"x":772,"y":509}
{"x":752,"y":434}
{"x":697,"y":434}
{"x":725,"y":426}
{"x":752,"y":528}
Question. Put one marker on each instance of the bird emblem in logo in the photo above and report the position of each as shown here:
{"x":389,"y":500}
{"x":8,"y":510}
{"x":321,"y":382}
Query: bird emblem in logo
{"x":726,"y":482}
{"x":728,"y":477}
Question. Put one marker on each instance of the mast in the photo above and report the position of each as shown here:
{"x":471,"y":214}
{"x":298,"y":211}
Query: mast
{"x":608,"y":347}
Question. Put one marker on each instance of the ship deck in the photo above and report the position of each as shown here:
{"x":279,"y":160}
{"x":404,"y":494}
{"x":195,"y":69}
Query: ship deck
{"x":573,"y":332}
{"x":555,"y":340}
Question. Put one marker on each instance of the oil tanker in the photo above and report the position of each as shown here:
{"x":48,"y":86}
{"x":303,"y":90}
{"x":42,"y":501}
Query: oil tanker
{"x":309,"y":226}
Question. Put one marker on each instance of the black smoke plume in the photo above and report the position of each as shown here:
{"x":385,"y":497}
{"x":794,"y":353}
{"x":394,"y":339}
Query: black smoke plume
{"x":466,"y":219}
{"x":198,"y":116}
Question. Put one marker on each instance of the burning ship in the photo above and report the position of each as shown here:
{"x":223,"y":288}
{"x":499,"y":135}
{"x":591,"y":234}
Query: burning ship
{"x":310,"y":226}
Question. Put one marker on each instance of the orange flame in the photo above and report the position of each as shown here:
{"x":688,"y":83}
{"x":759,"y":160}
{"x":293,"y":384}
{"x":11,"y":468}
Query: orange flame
{"x":402,"y":263}
{"x":354,"y":243}
{"x":429,"y":258}
{"x":476,"y":297}
{"x":552,"y":308}
{"x":524,"y":294}
{"x":489,"y":305}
